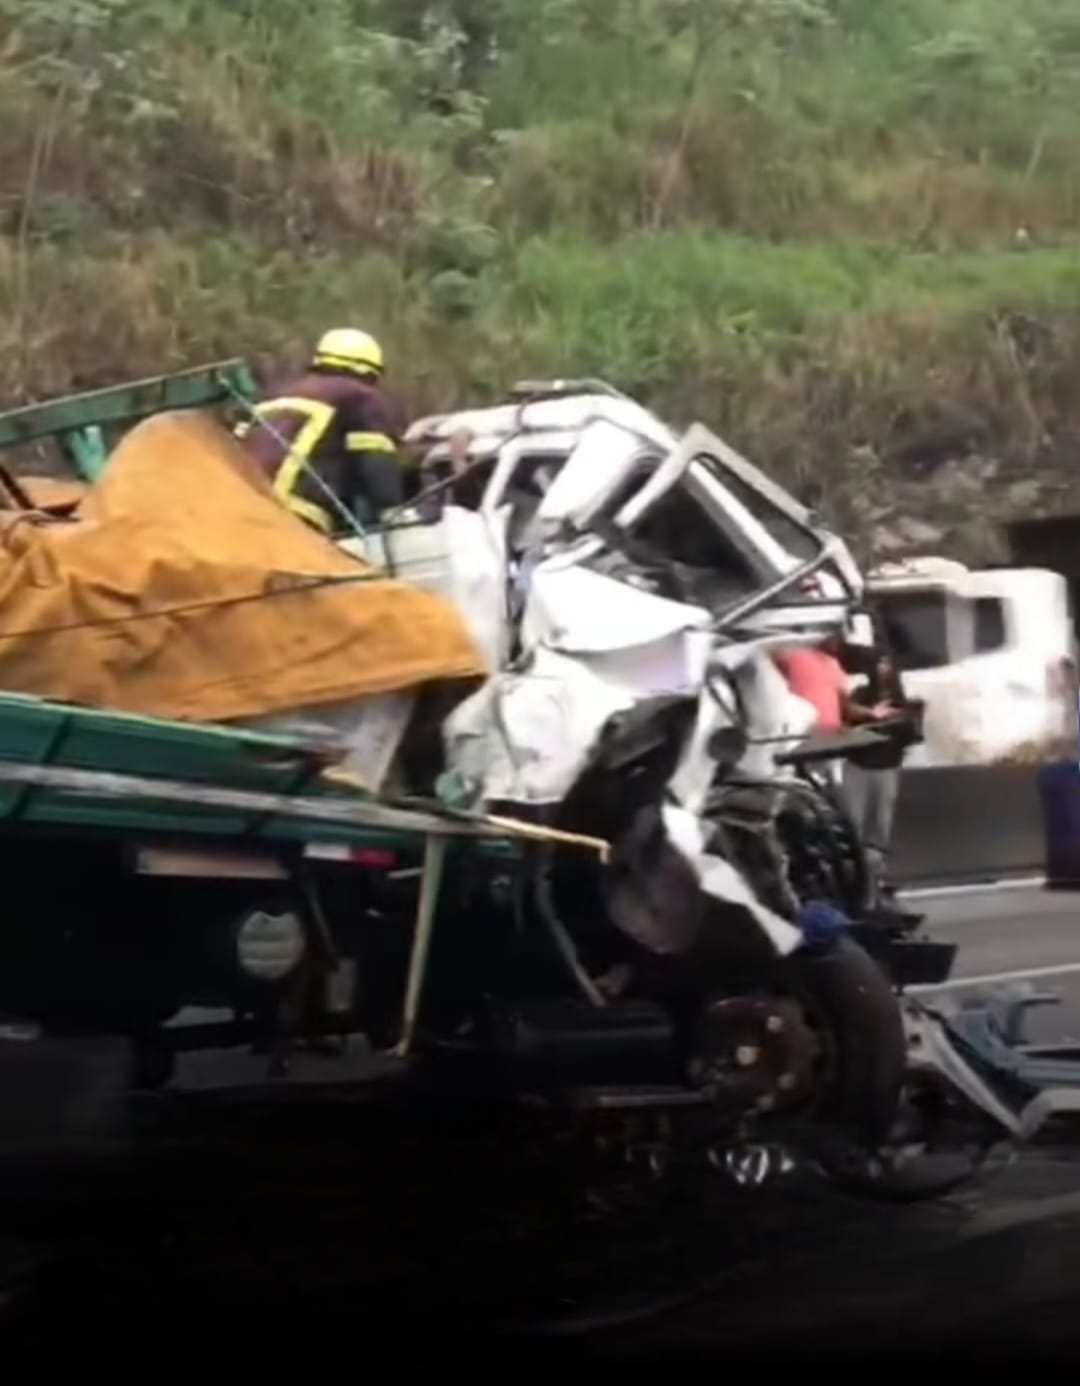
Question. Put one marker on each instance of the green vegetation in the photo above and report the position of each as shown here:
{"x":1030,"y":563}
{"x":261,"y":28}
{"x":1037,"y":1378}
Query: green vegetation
{"x":816,"y":223}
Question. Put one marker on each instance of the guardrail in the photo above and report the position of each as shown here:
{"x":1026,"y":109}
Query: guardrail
{"x":968,"y":822}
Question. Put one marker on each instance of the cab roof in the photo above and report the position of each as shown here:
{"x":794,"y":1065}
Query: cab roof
{"x":551,"y":416}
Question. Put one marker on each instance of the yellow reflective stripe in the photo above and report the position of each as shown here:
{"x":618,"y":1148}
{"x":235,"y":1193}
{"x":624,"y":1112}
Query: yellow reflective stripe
{"x":370,"y":442}
{"x":318,"y":416}
{"x":306,"y":510}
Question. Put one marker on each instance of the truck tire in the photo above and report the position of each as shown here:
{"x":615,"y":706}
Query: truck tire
{"x":859,"y":1017}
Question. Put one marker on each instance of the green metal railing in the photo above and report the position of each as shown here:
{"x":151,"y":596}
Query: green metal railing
{"x":82,"y":425}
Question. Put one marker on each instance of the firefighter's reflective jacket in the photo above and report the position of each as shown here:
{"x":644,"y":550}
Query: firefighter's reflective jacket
{"x":333,"y":427}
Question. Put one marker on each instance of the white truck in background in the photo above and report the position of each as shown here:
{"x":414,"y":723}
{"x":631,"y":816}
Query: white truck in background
{"x":992,"y":654}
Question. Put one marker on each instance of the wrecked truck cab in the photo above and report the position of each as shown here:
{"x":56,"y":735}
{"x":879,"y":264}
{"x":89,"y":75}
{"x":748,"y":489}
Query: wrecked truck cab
{"x":632,"y":559}
{"x":549,"y":471}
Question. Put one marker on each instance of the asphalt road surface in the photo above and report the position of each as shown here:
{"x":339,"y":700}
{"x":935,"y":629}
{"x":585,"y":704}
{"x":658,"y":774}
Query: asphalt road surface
{"x":991,"y":1271}
{"x":245,"y":1245}
{"x":1015,"y":933}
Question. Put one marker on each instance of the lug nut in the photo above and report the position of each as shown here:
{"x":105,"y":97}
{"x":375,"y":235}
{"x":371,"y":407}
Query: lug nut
{"x":786,"y":1082}
{"x":774,"y":1024}
{"x":746,"y":1055}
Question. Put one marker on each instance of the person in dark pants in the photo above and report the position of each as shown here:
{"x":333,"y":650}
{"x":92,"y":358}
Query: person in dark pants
{"x":333,"y":430}
{"x":872,"y":777}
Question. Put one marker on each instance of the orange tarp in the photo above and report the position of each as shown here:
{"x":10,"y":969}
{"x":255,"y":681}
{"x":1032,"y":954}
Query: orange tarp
{"x":183,"y":589}
{"x":54,"y":493}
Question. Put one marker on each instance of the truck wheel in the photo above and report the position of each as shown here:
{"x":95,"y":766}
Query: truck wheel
{"x":851,"y":1004}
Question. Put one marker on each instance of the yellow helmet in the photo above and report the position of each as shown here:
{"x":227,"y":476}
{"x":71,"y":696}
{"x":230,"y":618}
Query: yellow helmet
{"x":348,"y":349}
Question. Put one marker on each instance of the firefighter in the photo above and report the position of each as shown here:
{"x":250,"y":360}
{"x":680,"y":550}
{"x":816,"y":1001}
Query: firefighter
{"x":333,"y":425}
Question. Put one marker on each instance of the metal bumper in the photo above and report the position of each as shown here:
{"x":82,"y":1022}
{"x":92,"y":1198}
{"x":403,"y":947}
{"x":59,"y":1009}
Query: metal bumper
{"x":979,"y":1047}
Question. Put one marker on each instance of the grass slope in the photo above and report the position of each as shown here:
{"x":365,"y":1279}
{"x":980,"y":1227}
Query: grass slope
{"x":838,"y":229}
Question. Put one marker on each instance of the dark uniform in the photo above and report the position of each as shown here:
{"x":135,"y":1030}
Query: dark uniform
{"x":343,"y":428}
{"x":872,"y":776}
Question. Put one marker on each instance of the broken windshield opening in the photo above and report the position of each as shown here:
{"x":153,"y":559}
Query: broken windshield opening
{"x":680,"y":547}
{"x":790,"y":535}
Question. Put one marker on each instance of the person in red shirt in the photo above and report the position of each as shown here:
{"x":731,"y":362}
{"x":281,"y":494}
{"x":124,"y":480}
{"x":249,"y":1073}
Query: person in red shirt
{"x":819,"y":679}
{"x":817,"y":676}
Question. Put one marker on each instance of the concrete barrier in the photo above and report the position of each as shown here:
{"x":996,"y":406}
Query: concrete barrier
{"x":969,"y":822}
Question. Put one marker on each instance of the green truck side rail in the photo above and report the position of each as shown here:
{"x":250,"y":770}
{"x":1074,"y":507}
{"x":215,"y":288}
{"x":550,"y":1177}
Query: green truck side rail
{"x":79,"y":768}
{"x":81,"y":424}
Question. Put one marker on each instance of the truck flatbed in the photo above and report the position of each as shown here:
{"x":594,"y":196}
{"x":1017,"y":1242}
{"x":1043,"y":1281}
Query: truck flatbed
{"x":82,"y":768}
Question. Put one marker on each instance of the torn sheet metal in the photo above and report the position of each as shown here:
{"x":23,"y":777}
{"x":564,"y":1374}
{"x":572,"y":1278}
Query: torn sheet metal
{"x":578,"y":611}
{"x":526,"y":737}
{"x":931,"y":1047}
{"x":595,"y":647}
{"x":775,"y":717}
{"x":652,"y":889}
{"x":722,"y":881}
{"x":745,"y":690}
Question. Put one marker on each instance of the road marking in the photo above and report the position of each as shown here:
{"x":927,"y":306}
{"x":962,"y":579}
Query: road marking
{"x":989,"y":978}
{"x":973,"y":888}
{"x":1021,"y":1215}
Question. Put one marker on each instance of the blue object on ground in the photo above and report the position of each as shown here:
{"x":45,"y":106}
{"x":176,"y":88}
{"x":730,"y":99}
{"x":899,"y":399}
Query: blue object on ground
{"x":1059,"y":793}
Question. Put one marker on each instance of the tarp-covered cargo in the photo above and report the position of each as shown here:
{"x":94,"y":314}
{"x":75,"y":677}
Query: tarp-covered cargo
{"x":184,"y":590}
